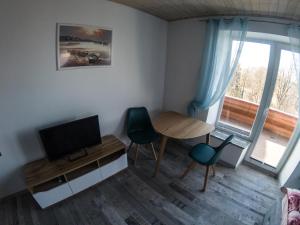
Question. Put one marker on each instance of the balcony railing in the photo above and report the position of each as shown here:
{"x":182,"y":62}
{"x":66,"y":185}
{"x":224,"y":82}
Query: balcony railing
{"x":243,"y":112}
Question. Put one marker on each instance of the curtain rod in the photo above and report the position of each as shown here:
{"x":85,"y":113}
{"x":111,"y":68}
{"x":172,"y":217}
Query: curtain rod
{"x":264,"y":19}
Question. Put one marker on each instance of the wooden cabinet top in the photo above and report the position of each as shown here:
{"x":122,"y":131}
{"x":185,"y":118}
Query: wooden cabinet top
{"x":43,"y":170}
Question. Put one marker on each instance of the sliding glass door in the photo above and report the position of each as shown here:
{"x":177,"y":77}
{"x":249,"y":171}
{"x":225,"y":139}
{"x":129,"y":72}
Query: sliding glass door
{"x":261,"y":103}
{"x":280,"y":118}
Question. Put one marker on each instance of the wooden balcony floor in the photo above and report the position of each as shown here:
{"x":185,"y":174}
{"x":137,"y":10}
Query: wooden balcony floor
{"x":269,"y":148}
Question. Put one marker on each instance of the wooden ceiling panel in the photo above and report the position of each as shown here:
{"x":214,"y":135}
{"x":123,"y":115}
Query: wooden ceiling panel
{"x":181,"y":9}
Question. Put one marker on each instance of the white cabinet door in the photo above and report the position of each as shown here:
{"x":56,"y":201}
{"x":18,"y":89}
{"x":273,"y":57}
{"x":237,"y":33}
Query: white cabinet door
{"x":47,"y":198}
{"x":114,"y":166}
{"x":85,"y":181}
{"x":123,"y":163}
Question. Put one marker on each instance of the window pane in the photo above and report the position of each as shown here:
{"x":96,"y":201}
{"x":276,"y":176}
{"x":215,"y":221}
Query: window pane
{"x":245,"y":90}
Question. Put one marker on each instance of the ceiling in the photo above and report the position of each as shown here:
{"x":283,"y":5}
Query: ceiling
{"x":181,"y":9}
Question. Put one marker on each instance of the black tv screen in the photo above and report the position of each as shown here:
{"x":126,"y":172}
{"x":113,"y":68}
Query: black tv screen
{"x":70,"y":137}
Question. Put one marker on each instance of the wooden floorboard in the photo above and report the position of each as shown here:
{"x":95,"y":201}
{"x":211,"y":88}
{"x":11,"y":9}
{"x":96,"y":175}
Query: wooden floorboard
{"x":133,"y":197}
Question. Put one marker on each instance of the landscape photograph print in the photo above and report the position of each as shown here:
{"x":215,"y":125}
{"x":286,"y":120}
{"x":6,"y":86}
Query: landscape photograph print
{"x":83,"y":46}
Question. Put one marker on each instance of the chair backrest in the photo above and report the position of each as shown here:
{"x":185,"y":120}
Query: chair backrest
{"x":219,"y":149}
{"x":138,"y":119}
{"x":224,"y":143}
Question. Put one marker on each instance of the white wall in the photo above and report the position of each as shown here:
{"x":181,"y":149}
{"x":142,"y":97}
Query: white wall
{"x":290,"y":173}
{"x":33,"y":94}
{"x":185,"y":44}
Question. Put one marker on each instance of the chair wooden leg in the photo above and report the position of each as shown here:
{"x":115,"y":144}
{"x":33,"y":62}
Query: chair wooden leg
{"x":136,"y":154}
{"x":153,"y":150}
{"x":188,"y":169}
{"x":206,"y":178}
{"x":128,"y":149}
{"x":213,"y":170}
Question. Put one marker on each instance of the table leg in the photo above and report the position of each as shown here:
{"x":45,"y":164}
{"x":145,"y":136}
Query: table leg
{"x":207,"y":139}
{"x":162,"y":147}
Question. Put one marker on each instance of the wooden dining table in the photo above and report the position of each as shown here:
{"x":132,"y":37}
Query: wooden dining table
{"x":178,"y":126}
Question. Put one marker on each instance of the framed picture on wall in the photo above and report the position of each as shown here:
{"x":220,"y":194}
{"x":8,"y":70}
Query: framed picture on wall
{"x":83,"y":46}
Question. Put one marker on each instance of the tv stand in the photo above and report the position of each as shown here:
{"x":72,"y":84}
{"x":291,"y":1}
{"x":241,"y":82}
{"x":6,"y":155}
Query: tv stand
{"x":52,"y":181}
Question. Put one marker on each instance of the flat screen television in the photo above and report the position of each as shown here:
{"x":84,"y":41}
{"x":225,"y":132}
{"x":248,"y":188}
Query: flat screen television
{"x":70,"y":137}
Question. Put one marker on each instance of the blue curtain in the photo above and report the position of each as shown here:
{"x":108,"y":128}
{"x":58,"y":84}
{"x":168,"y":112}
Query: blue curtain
{"x":294,"y":38}
{"x":223,"y":45}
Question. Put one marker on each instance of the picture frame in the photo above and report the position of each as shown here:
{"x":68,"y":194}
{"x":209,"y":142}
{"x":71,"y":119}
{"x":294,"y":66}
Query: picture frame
{"x":83,"y":46}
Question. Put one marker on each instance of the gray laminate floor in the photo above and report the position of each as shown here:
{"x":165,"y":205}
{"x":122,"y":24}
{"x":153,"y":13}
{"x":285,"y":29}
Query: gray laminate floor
{"x":132,"y":197}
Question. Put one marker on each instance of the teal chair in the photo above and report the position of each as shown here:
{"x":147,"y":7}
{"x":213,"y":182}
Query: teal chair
{"x":140,"y":130}
{"x":207,"y":156}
